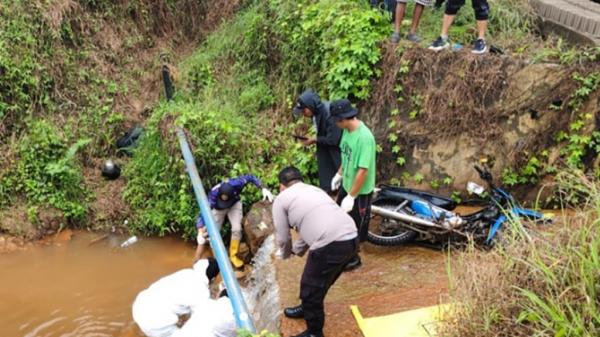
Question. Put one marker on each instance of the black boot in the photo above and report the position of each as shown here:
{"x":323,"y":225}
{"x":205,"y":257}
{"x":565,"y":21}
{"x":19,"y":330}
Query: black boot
{"x":294,"y":312}
{"x":353,"y":264}
{"x":307,"y":333}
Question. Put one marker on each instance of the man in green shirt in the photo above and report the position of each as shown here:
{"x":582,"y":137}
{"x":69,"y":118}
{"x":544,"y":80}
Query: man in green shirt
{"x":357,"y":173}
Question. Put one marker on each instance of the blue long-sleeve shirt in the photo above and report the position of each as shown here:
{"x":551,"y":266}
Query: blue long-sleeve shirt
{"x":237,"y":183}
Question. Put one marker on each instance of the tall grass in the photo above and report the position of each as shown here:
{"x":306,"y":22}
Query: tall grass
{"x":538,"y":283}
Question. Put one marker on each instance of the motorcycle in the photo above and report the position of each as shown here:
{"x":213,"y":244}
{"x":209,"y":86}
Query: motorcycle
{"x":401,"y":215}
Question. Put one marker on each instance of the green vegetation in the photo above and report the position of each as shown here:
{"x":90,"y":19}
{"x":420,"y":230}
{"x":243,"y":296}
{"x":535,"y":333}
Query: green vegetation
{"x":237,"y":113}
{"x":66,"y":69}
{"x":67,"y":73}
{"x":535,"y":284}
{"x":263,"y":333}
{"x":574,"y":144}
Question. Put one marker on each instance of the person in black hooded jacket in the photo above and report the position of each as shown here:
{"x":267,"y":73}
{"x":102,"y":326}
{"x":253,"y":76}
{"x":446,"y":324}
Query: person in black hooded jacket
{"x":309,"y":105}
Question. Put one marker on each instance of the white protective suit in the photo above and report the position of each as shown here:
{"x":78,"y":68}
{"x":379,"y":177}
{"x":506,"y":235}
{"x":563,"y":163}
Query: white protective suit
{"x":156,"y":310}
{"x":213,"y":318}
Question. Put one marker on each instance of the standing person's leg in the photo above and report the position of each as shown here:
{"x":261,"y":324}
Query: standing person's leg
{"x":417,"y":13}
{"x":322,"y":269}
{"x":361,"y":214}
{"x":482,"y":10}
{"x":312,"y":293}
{"x":219,"y":218}
{"x":452,"y":7}
{"x":362,"y":205}
{"x":400,"y":11}
{"x":235,"y":215}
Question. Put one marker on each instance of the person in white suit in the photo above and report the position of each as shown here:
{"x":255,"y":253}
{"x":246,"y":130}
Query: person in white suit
{"x":157,"y":309}
{"x":215,"y":318}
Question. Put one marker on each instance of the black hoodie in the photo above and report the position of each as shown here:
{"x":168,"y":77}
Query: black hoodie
{"x":328,"y":138}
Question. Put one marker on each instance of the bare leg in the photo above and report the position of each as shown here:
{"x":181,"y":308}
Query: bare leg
{"x":416,"y":18}
{"x":400,"y":10}
{"x":448,"y":19}
{"x":481,"y":28}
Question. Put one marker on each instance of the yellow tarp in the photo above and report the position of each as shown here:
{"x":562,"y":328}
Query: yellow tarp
{"x":414,"y":323}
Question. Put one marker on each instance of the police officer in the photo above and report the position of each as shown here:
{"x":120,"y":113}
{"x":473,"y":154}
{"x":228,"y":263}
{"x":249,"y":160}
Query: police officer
{"x":326,"y":231}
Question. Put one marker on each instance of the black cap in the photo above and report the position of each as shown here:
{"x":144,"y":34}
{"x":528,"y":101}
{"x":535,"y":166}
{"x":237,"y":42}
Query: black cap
{"x":289,"y":174}
{"x":225,"y":189}
{"x":342,"y":109}
{"x":213,"y":269}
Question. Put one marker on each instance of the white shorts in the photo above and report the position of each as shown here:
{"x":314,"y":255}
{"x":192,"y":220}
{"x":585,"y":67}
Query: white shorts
{"x":420,"y":2}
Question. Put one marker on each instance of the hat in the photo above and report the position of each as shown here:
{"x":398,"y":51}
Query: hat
{"x":342,"y":109}
{"x":225,"y":189}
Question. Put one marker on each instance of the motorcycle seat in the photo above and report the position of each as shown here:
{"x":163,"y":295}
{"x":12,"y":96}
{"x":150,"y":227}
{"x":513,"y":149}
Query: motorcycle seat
{"x":398,"y":193}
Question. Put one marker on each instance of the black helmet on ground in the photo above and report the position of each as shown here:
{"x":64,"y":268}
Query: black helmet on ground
{"x":110,"y":170}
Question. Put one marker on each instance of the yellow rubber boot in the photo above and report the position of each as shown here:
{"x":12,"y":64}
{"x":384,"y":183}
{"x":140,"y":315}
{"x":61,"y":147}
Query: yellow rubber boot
{"x":234,"y":245}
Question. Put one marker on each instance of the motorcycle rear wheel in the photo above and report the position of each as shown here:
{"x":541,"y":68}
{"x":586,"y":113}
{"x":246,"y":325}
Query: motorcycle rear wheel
{"x":388,"y":232}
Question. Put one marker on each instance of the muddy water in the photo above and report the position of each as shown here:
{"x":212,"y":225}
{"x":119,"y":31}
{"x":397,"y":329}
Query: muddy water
{"x":74,"y":288}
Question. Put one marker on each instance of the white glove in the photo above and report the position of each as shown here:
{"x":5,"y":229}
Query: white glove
{"x":267,"y":195}
{"x":202,"y":236}
{"x":348,"y":203}
{"x":336,"y":182}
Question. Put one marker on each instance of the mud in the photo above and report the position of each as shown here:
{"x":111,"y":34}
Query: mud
{"x":390,"y":280}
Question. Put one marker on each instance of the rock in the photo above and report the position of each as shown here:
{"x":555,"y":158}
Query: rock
{"x":532,"y":81}
{"x":244,"y":253}
{"x":258,"y":224}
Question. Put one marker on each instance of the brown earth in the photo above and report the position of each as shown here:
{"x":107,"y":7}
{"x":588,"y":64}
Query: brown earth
{"x":467,"y":110}
{"x":391,"y":280}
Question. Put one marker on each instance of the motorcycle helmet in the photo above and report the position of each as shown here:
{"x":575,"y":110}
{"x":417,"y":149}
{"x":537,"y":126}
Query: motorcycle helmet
{"x":110,"y":170}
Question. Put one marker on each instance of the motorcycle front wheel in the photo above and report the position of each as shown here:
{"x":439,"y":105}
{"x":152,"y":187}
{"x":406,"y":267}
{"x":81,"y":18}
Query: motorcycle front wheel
{"x":388,"y":232}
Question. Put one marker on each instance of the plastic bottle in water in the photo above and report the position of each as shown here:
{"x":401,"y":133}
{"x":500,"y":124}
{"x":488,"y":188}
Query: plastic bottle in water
{"x":129,"y":241}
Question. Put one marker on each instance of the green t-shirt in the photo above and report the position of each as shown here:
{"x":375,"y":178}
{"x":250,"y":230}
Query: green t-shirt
{"x":358,"y":151}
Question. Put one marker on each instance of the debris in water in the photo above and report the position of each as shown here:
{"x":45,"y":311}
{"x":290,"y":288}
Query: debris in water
{"x":129,"y":242}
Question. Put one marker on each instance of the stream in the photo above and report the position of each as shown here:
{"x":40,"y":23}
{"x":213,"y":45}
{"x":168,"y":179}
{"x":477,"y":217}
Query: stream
{"x":73,"y":287}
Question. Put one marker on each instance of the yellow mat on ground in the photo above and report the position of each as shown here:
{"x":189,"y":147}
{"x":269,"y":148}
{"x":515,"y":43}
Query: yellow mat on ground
{"x":414,"y":323}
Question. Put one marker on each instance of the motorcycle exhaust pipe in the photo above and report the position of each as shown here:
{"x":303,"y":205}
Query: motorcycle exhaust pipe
{"x":402,"y":217}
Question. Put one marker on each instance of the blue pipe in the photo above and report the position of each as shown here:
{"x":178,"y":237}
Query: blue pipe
{"x":242,"y":317}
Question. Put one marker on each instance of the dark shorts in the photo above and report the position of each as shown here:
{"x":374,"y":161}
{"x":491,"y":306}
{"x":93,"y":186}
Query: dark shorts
{"x":481,"y":7}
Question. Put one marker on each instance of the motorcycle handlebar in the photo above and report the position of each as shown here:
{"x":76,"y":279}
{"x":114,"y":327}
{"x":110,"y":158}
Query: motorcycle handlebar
{"x":484,"y":174}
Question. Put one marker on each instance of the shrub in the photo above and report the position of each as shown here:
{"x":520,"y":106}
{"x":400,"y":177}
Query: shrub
{"x":46,"y":171}
{"x":338,"y":41}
